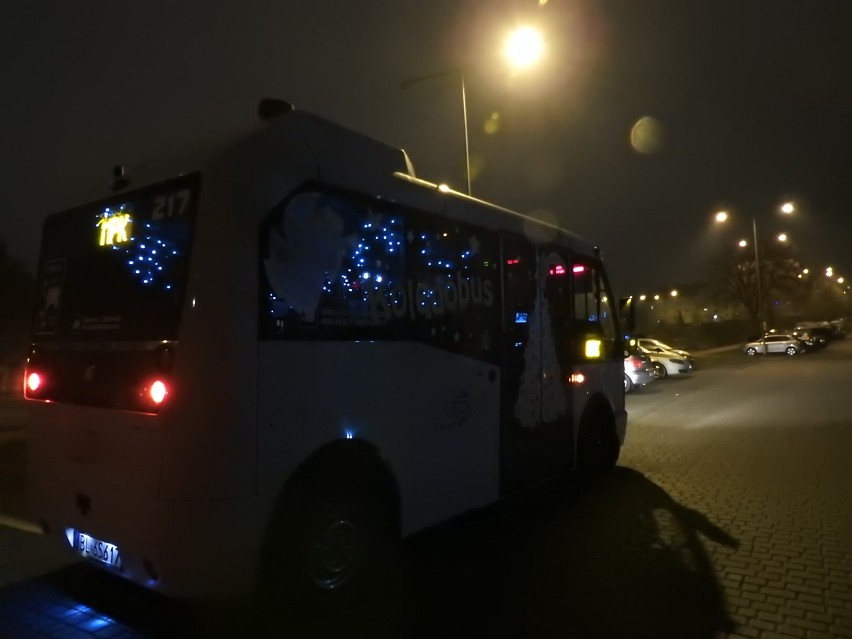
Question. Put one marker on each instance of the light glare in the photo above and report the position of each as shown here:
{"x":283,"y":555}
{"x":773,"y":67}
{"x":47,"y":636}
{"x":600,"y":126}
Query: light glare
{"x":524,"y":47}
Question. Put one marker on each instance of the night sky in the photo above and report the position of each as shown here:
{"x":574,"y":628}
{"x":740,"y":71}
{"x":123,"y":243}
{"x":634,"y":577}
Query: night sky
{"x":752,"y":100}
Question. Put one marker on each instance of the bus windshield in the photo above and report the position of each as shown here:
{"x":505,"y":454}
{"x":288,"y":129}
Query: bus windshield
{"x":115,"y":270}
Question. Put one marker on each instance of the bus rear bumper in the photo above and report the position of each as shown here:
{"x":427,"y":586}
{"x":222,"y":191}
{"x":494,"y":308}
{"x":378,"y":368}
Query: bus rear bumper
{"x":196,"y":550}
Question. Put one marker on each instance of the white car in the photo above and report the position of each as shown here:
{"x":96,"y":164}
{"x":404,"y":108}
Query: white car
{"x":650,"y":344}
{"x":775,"y":343}
{"x":667,"y":363}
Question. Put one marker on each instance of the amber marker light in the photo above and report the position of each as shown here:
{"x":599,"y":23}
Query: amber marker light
{"x":593,"y":348}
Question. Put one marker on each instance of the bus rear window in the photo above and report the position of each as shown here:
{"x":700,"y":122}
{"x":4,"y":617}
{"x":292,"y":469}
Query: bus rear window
{"x":116,"y":270}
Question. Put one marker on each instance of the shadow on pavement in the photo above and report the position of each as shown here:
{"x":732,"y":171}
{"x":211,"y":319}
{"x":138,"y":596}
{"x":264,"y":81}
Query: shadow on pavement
{"x":614,"y":557}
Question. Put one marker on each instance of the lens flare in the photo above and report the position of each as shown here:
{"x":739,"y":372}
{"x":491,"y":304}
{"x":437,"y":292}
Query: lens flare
{"x":646,"y":136}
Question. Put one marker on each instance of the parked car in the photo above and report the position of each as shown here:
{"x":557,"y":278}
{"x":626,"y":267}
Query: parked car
{"x":667,"y":363}
{"x":651,"y":344}
{"x":638,"y":371}
{"x":775,"y":343}
{"x":822,"y":330}
{"x":813,"y":339}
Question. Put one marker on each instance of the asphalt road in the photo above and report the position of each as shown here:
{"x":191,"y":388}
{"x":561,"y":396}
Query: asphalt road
{"x":730,"y":515}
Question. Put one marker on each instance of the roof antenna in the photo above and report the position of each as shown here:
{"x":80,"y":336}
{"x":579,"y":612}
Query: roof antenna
{"x":119,"y":177}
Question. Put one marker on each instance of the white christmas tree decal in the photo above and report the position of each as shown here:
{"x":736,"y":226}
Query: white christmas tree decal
{"x":554,"y":404}
{"x":541,"y":396}
{"x":528,"y":404}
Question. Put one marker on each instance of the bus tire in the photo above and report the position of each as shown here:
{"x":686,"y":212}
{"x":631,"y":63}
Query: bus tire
{"x":598,"y":445}
{"x":333,"y":546}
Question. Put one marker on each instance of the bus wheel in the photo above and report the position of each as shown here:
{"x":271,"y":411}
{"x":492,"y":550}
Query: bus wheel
{"x":598,"y":446}
{"x":337,"y":545}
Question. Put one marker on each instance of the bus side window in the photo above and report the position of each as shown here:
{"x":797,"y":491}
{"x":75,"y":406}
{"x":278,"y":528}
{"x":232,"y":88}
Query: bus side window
{"x":331,"y":267}
{"x":453,"y":278}
{"x":595,"y":332}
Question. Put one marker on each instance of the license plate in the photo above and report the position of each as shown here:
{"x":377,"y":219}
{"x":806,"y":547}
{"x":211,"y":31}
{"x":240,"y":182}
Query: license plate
{"x":101,"y":551}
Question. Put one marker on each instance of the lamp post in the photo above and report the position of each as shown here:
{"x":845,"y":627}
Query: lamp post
{"x":410,"y":82}
{"x":524,"y":46}
{"x":722,"y":216}
{"x":757,"y":278}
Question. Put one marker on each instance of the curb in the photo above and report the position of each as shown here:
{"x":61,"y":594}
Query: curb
{"x":720,"y":349}
{"x":20,"y":524}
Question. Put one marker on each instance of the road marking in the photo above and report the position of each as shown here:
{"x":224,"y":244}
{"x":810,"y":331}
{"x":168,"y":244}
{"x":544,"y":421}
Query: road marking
{"x":19,"y":524}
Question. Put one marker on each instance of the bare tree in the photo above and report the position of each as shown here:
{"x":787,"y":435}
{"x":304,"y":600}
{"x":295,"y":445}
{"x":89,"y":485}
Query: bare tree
{"x":735,"y":279}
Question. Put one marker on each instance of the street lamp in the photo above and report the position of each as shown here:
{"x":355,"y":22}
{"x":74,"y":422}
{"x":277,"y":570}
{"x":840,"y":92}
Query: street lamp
{"x":722,"y":216}
{"x":524,"y":47}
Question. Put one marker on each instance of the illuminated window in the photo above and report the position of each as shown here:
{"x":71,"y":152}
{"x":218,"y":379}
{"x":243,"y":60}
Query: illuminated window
{"x":114,"y":228}
{"x":339,"y":266}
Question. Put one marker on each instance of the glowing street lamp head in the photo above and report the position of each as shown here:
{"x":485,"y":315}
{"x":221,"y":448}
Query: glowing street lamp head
{"x":742,"y":243}
{"x":788,"y":207}
{"x":524,"y":47}
{"x":782,"y":237}
{"x":722,"y":216}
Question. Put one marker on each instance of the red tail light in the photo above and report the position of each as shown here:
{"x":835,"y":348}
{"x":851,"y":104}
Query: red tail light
{"x":634,"y":362}
{"x":158,"y":391}
{"x":33,"y":381}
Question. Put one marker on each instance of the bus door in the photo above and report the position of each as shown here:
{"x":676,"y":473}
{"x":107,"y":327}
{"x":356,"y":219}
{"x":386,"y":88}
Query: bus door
{"x":537,"y":439}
